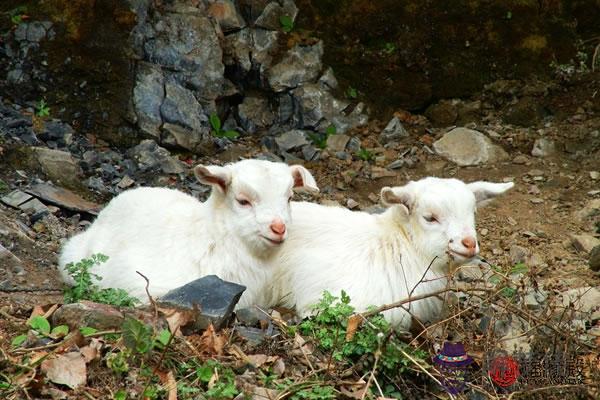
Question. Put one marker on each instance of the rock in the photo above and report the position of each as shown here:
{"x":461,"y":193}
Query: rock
{"x":337,"y":143}
{"x":352,"y":204}
{"x":9,"y":260}
{"x":34,"y":208}
{"x":310,"y":152}
{"x":591,"y":209}
{"x":468,"y":112}
{"x":198,"y":141}
{"x":225,"y":13}
{"x":270,"y":17}
{"x":249,"y":316}
{"x":442,"y":114}
{"x":57,"y":131}
{"x":353,"y":145}
{"x":63,"y":198}
{"x":125,"y":182}
{"x":87,"y":313}
{"x":254,"y":336}
{"x":584,"y":242}
{"x":250,"y":49}
{"x":292,"y":140}
{"x":396,"y":164}
{"x":585,"y":299}
{"x":526,"y":112}
{"x":15,"y":198}
{"x":518,"y":254}
{"x":594,"y":175}
{"x":59,"y":166}
{"x":328,"y":79}
{"x":378,"y":172}
{"x":543,"y":148}
{"x":212,"y":297}
{"x":468,"y":147}
{"x":301,"y":64}
{"x":255,"y":114}
{"x":150,"y":155}
{"x":180,"y":107}
{"x":595,"y":259}
{"x":520,"y":160}
{"x":148,"y":96}
{"x":393,"y":131}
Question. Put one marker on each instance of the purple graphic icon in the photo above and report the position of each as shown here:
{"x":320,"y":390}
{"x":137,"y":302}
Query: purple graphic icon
{"x":452,"y":362}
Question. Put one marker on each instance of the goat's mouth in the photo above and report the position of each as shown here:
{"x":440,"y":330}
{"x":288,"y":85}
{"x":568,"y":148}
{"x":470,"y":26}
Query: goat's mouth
{"x":275,"y":242}
{"x":459,"y":256}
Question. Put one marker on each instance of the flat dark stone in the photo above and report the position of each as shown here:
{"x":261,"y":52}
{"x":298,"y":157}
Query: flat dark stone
{"x":213,"y":297}
{"x":63,"y":198}
{"x":15,"y":198}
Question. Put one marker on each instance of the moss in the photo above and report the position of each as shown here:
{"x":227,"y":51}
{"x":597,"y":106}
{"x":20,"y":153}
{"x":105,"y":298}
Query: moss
{"x":534,"y":43}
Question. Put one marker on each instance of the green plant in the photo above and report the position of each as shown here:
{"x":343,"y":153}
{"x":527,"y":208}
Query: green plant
{"x":506,"y":286}
{"x":85,"y":289}
{"x":137,"y":336}
{"x":4,"y":186}
{"x":215,"y":122}
{"x":120,"y":395}
{"x":352,"y":93}
{"x":329,"y":327}
{"x":325,"y":392}
{"x":118,"y":362}
{"x":365,"y":154}
{"x":224,"y":387}
{"x":287,"y":23}
{"x":42,"y":109}
{"x":389,"y":48}
{"x":320,"y":139}
{"x":18,"y":14}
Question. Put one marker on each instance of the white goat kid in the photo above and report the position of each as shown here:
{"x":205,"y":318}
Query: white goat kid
{"x":172,"y":238}
{"x":379,"y":259}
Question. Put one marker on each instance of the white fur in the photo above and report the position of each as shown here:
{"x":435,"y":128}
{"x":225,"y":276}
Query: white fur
{"x":379,"y":259}
{"x":172,"y":238}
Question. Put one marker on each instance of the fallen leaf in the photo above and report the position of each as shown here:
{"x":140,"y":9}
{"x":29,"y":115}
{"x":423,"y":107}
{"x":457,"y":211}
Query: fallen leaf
{"x":212,"y":342}
{"x":279,"y":367}
{"x":37,"y":311}
{"x":92,"y":350}
{"x":66,"y":369}
{"x":169,"y":383}
{"x":176,"y":319}
{"x":353,"y":324}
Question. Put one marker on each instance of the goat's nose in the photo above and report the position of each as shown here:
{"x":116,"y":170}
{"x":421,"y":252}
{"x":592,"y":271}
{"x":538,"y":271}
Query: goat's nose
{"x":278,"y":227}
{"x":470,"y":243}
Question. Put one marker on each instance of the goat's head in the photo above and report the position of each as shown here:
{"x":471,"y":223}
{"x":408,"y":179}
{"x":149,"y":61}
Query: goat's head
{"x":254,"y":196}
{"x":440,"y":214}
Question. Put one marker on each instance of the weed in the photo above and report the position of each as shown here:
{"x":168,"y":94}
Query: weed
{"x":287,"y":23}
{"x":328,"y":328}
{"x":577,"y":66}
{"x":389,"y":48}
{"x":85,"y":289}
{"x":320,"y":139}
{"x":18,"y":15}
{"x":4,"y":186}
{"x":224,"y":387}
{"x":316,"y":393}
{"x":365,"y":154}
{"x":352,"y":93}
{"x":118,"y":362}
{"x":42,"y":109}
{"x":215,"y":122}
{"x":497,"y":279}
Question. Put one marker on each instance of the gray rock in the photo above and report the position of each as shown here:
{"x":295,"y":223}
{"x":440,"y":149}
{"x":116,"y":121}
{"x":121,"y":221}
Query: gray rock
{"x":181,"y":107}
{"x":393,"y":131}
{"x":96,"y":184}
{"x":291,"y":140}
{"x":310,"y":152}
{"x":225,"y":13}
{"x":328,"y":79}
{"x":301,"y":64}
{"x":212,"y":297}
{"x":255,"y":114}
{"x":87,"y":313}
{"x":526,"y":112}
{"x":150,"y":155}
{"x":59,"y":166}
{"x":58,"y":131}
{"x":34,"y":207}
{"x":148,"y":95}
{"x":337,"y":143}
{"x":518,"y":254}
{"x":317,"y":106}
{"x":269,"y":19}
{"x":249,"y":316}
{"x":353,"y":145}
{"x":63,"y":198}
{"x":584,"y":242}
{"x":250,"y":49}
{"x":468,"y":147}
{"x":15,"y":198}
{"x":396,"y":164}
{"x":36,"y":31}
{"x":595,"y":259}
{"x":9,"y":261}
{"x":199,"y":141}
{"x":585,"y":299}
{"x":543,"y":148}
{"x":254,"y":336}
{"x":534,"y":299}
{"x":188,"y":44}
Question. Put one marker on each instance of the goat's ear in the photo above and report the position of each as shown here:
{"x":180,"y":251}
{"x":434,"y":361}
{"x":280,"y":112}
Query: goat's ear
{"x":303,"y":179}
{"x":219,"y":177}
{"x":398,"y":196}
{"x":486,"y":191}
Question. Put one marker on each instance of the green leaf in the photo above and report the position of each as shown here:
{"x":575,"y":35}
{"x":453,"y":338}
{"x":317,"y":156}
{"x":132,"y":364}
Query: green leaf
{"x":331,"y":130}
{"x":495,"y":279}
{"x":519,"y":268}
{"x":87,"y":331}
{"x":205,"y":372}
{"x":287,"y":23}
{"x":59,"y":331}
{"x":120,"y":395}
{"x":40,"y":324}
{"x":163,"y":337}
{"x":215,"y":122}
{"x":137,"y":336}
{"x":16,"y":342}
{"x":231,"y":134}
{"x":508,"y":292}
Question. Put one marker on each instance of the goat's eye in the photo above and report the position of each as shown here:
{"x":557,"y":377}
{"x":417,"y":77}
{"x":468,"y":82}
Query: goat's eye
{"x":243,"y":202}
{"x":431,"y":219}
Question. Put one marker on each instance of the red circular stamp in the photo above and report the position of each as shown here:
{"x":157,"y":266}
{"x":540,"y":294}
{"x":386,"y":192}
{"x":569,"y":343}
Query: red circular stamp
{"x":504,"y":371}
